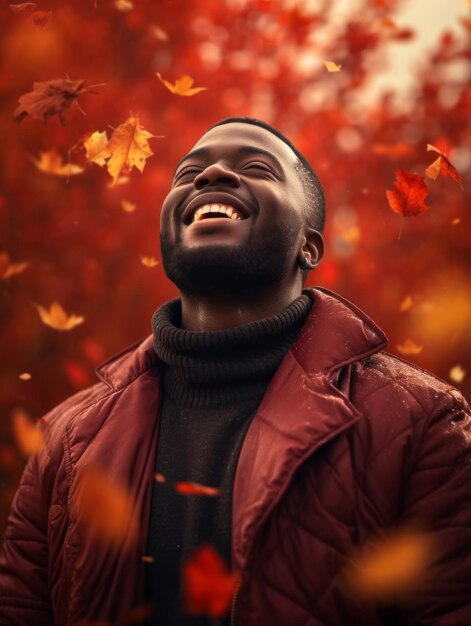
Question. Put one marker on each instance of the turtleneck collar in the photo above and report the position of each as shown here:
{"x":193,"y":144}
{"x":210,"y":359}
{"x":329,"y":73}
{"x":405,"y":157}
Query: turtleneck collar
{"x":210,"y":368}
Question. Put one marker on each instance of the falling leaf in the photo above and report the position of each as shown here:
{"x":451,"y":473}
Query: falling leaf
{"x":159,"y":478}
{"x":406,"y":304}
{"x":124,"y":5}
{"x":351,"y":235}
{"x":128,"y":207}
{"x":409,"y":196}
{"x":149,"y":261}
{"x":24,"y":7}
{"x":208,"y":585}
{"x":25,"y":376}
{"x":442,"y":166}
{"x":158,"y":32}
{"x":128,"y":147}
{"x":50,"y":162}
{"x":95,"y":147}
{"x":28,"y":434}
{"x":183,"y":86}
{"x":457,"y":220}
{"x":195,"y":489}
{"x":8,"y":269}
{"x":394,"y":150}
{"x":390,"y":567}
{"x":457,"y":373}
{"x":48,"y":98}
{"x":332,"y":67}
{"x":42,"y":18}
{"x":409,"y":347}
{"x":105,"y":506}
{"x":57,"y":318}
{"x":148,"y":559}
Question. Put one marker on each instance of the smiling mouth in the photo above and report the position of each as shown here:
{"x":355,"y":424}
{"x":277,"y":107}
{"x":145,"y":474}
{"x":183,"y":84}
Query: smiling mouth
{"x":215,"y":210}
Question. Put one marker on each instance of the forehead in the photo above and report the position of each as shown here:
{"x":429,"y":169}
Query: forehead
{"x":234,"y":136}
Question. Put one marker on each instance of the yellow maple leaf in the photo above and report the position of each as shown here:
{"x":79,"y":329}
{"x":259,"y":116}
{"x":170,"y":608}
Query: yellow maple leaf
{"x":95,"y":144}
{"x":57,"y":318}
{"x":50,"y":162}
{"x":28,"y":434}
{"x":457,"y":373}
{"x":128,"y":207}
{"x":332,"y":67}
{"x":149,"y":261}
{"x":127,"y":147}
{"x":183,"y":86}
{"x":8,"y":269}
{"x":409,"y":347}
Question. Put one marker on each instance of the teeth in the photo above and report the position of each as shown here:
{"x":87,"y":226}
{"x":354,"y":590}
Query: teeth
{"x":230,"y":211}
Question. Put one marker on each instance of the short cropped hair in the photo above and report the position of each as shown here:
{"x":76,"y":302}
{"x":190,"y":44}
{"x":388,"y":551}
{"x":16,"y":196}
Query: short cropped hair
{"x":313,"y":189}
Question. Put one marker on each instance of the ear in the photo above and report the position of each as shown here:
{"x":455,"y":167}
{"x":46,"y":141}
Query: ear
{"x":312,"y":250}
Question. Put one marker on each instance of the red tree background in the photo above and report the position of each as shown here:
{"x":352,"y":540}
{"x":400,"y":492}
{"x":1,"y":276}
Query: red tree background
{"x":262,"y":58}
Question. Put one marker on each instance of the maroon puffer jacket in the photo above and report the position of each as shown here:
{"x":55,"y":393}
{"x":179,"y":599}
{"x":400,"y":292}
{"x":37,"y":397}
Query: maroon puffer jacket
{"x":347,"y":441}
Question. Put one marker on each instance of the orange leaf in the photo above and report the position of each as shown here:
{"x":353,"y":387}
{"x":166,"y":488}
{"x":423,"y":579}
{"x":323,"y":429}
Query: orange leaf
{"x":128,"y":207}
{"x":8,"y":269}
{"x":24,"y":7}
{"x":183,"y":86}
{"x":456,"y":220}
{"x":390,"y":567}
{"x":128,"y":147}
{"x":208,"y":585}
{"x":195,"y":489}
{"x":442,"y":166}
{"x":48,"y":98}
{"x":332,"y":67}
{"x":57,"y":318}
{"x":398,"y":149}
{"x":149,"y":261}
{"x":28,"y":434}
{"x":124,"y":5}
{"x":42,"y":18}
{"x":50,"y":162}
{"x":406,"y":304}
{"x":409,"y":347}
{"x":106,"y":508}
{"x":95,"y":147}
{"x":25,"y":376}
{"x":457,"y":373}
{"x":158,"y":477}
{"x":409,"y":197}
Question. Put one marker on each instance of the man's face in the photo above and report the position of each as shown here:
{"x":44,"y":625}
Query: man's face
{"x":234,"y":217}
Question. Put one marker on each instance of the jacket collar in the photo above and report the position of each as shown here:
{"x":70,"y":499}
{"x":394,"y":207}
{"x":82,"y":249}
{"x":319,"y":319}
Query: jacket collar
{"x":302,"y":410}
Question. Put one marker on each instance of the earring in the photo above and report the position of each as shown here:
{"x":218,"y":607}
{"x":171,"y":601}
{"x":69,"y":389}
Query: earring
{"x":303,"y":263}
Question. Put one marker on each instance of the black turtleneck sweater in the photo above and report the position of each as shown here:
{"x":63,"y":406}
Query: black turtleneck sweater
{"x":212,"y":385}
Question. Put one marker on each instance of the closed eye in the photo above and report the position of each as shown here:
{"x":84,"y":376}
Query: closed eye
{"x":189,"y":171}
{"x":257,"y":165}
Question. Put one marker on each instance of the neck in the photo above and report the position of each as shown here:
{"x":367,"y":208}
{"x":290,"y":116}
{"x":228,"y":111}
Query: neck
{"x":218,"y":311}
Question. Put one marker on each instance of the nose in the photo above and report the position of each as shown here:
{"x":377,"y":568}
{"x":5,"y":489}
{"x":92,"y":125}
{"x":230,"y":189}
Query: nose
{"x":216,"y":174}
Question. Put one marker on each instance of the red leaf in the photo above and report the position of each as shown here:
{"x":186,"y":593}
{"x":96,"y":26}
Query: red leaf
{"x":195,"y":489}
{"x":409,"y":197}
{"x":48,"y":98}
{"x":42,"y":18}
{"x":208,"y":585}
{"x":24,"y":7}
{"x":442,"y":166}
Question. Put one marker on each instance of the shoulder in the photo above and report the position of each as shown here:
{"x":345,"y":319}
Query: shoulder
{"x":80,"y":411}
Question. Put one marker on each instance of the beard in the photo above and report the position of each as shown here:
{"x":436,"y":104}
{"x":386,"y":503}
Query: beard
{"x":226,"y":269}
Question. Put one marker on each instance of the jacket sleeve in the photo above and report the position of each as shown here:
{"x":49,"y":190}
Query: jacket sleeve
{"x":24,"y":594}
{"x":437,"y":496}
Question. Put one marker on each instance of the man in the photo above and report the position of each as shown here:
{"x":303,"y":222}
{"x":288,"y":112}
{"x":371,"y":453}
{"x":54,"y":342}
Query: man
{"x":280,"y":397}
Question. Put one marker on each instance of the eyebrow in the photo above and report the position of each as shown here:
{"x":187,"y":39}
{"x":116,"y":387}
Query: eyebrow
{"x":204,"y":152}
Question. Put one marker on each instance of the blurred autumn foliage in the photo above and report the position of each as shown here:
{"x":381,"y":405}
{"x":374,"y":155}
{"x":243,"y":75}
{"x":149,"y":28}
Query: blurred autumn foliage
{"x":71,"y":240}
